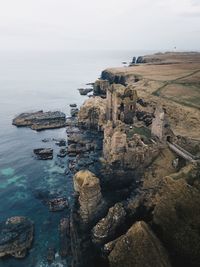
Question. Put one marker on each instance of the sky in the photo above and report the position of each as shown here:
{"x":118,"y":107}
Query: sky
{"x":99,"y":24}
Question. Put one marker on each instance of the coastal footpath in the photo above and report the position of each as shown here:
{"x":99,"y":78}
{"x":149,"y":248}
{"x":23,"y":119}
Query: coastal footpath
{"x":135,"y":154}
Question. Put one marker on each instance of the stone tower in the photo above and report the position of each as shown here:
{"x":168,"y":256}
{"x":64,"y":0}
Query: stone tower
{"x":121,"y":103}
{"x":160,"y":125}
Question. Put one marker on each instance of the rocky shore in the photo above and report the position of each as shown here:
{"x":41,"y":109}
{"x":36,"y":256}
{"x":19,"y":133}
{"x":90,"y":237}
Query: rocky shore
{"x":134,"y":157}
{"x":137,"y":201}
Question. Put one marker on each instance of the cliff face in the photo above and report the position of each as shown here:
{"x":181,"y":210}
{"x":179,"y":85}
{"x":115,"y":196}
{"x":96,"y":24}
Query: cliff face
{"x":152,"y":216}
{"x":92,"y":114}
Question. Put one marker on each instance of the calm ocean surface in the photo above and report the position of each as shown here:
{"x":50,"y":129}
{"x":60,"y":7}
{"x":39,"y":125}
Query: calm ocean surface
{"x":31,"y":82}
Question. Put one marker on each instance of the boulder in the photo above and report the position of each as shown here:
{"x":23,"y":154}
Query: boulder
{"x":62,"y":153}
{"x":139,"y":247}
{"x":41,"y":120}
{"x":58,"y":204}
{"x":107,"y":228}
{"x":73,"y":105}
{"x":16,"y":236}
{"x":60,"y":142}
{"x":43,"y":153}
{"x":87,"y":185}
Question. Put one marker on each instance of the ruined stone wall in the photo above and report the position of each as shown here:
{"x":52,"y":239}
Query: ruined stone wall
{"x":161,"y":127}
{"x":128,"y":153}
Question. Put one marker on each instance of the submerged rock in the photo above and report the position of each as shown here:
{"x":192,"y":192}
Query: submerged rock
{"x":50,"y":255}
{"x":41,"y":120}
{"x":16,"y":236}
{"x":139,"y":247}
{"x":43,"y":153}
{"x":62,"y":153}
{"x":60,"y":142}
{"x":58,"y":204}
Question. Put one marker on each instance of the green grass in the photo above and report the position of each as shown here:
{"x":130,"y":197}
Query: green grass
{"x":143,"y":131}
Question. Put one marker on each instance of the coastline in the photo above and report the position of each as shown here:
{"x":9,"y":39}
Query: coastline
{"x":133,"y":157}
{"x":125,"y":211}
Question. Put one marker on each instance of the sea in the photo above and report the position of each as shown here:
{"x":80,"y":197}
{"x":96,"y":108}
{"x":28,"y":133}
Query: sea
{"x":48,"y":81}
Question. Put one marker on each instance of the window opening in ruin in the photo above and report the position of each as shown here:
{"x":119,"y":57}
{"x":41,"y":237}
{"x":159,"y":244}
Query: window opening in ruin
{"x":122,"y":107}
{"x":168,"y":138}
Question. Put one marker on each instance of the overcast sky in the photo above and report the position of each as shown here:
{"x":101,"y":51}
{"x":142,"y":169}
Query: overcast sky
{"x":99,"y":24}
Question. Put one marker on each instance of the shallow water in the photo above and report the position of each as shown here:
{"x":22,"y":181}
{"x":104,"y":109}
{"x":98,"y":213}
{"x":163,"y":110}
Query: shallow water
{"x":30,"y":82}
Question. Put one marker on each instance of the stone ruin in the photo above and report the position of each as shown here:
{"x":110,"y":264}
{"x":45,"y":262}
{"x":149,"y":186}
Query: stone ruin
{"x":121,"y":103}
{"x":160,"y":126}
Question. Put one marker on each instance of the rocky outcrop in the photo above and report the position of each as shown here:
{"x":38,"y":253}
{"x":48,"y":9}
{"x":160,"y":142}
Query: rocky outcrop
{"x":58,"y":204}
{"x":108,"y":227}
{"x":125,"y":149}
{"x":100,"y":87}
{"x":41,"y":120}
{"x":138,"y":247}
{"x":118,"y":78}
{"x":16,"y":236}
{"x":85,"y":91}
{"x":43,"y":153}
{"x":92,"y":113}
{"x":87,"y":185}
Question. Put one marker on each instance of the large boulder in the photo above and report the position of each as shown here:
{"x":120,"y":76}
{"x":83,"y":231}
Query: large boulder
{"x":87,"y":185}
{"x":139,"y":247}
{"x":92,"y":114}
{"x":16,"y":236}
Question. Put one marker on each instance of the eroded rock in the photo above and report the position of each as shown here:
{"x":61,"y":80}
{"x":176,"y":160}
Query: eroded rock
{"x":87,"y":185}
{"x":16,"y":236}
{"x":41,"y":120}
{"x":138,"y":247}
{"x":43,"y":153}
{"x":107,"y":228}
{"x":92,"y":113}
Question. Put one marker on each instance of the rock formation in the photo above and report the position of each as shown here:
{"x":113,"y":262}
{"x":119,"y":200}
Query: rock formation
{"x":127,"y":149}
{"x":106,"y":229}
{"x":16,"y":236}
{"x":41,"y":120}
{"x":100,"y":87}
{"x":92,"y":113}
{"x":138,"y":247}
{"x":87,"y":185}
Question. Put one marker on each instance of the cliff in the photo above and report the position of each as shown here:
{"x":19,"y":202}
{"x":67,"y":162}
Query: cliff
{"x":143,"y":209}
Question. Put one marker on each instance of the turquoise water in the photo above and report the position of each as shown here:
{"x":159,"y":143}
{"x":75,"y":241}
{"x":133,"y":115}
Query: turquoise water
{"x":30,"y":82}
